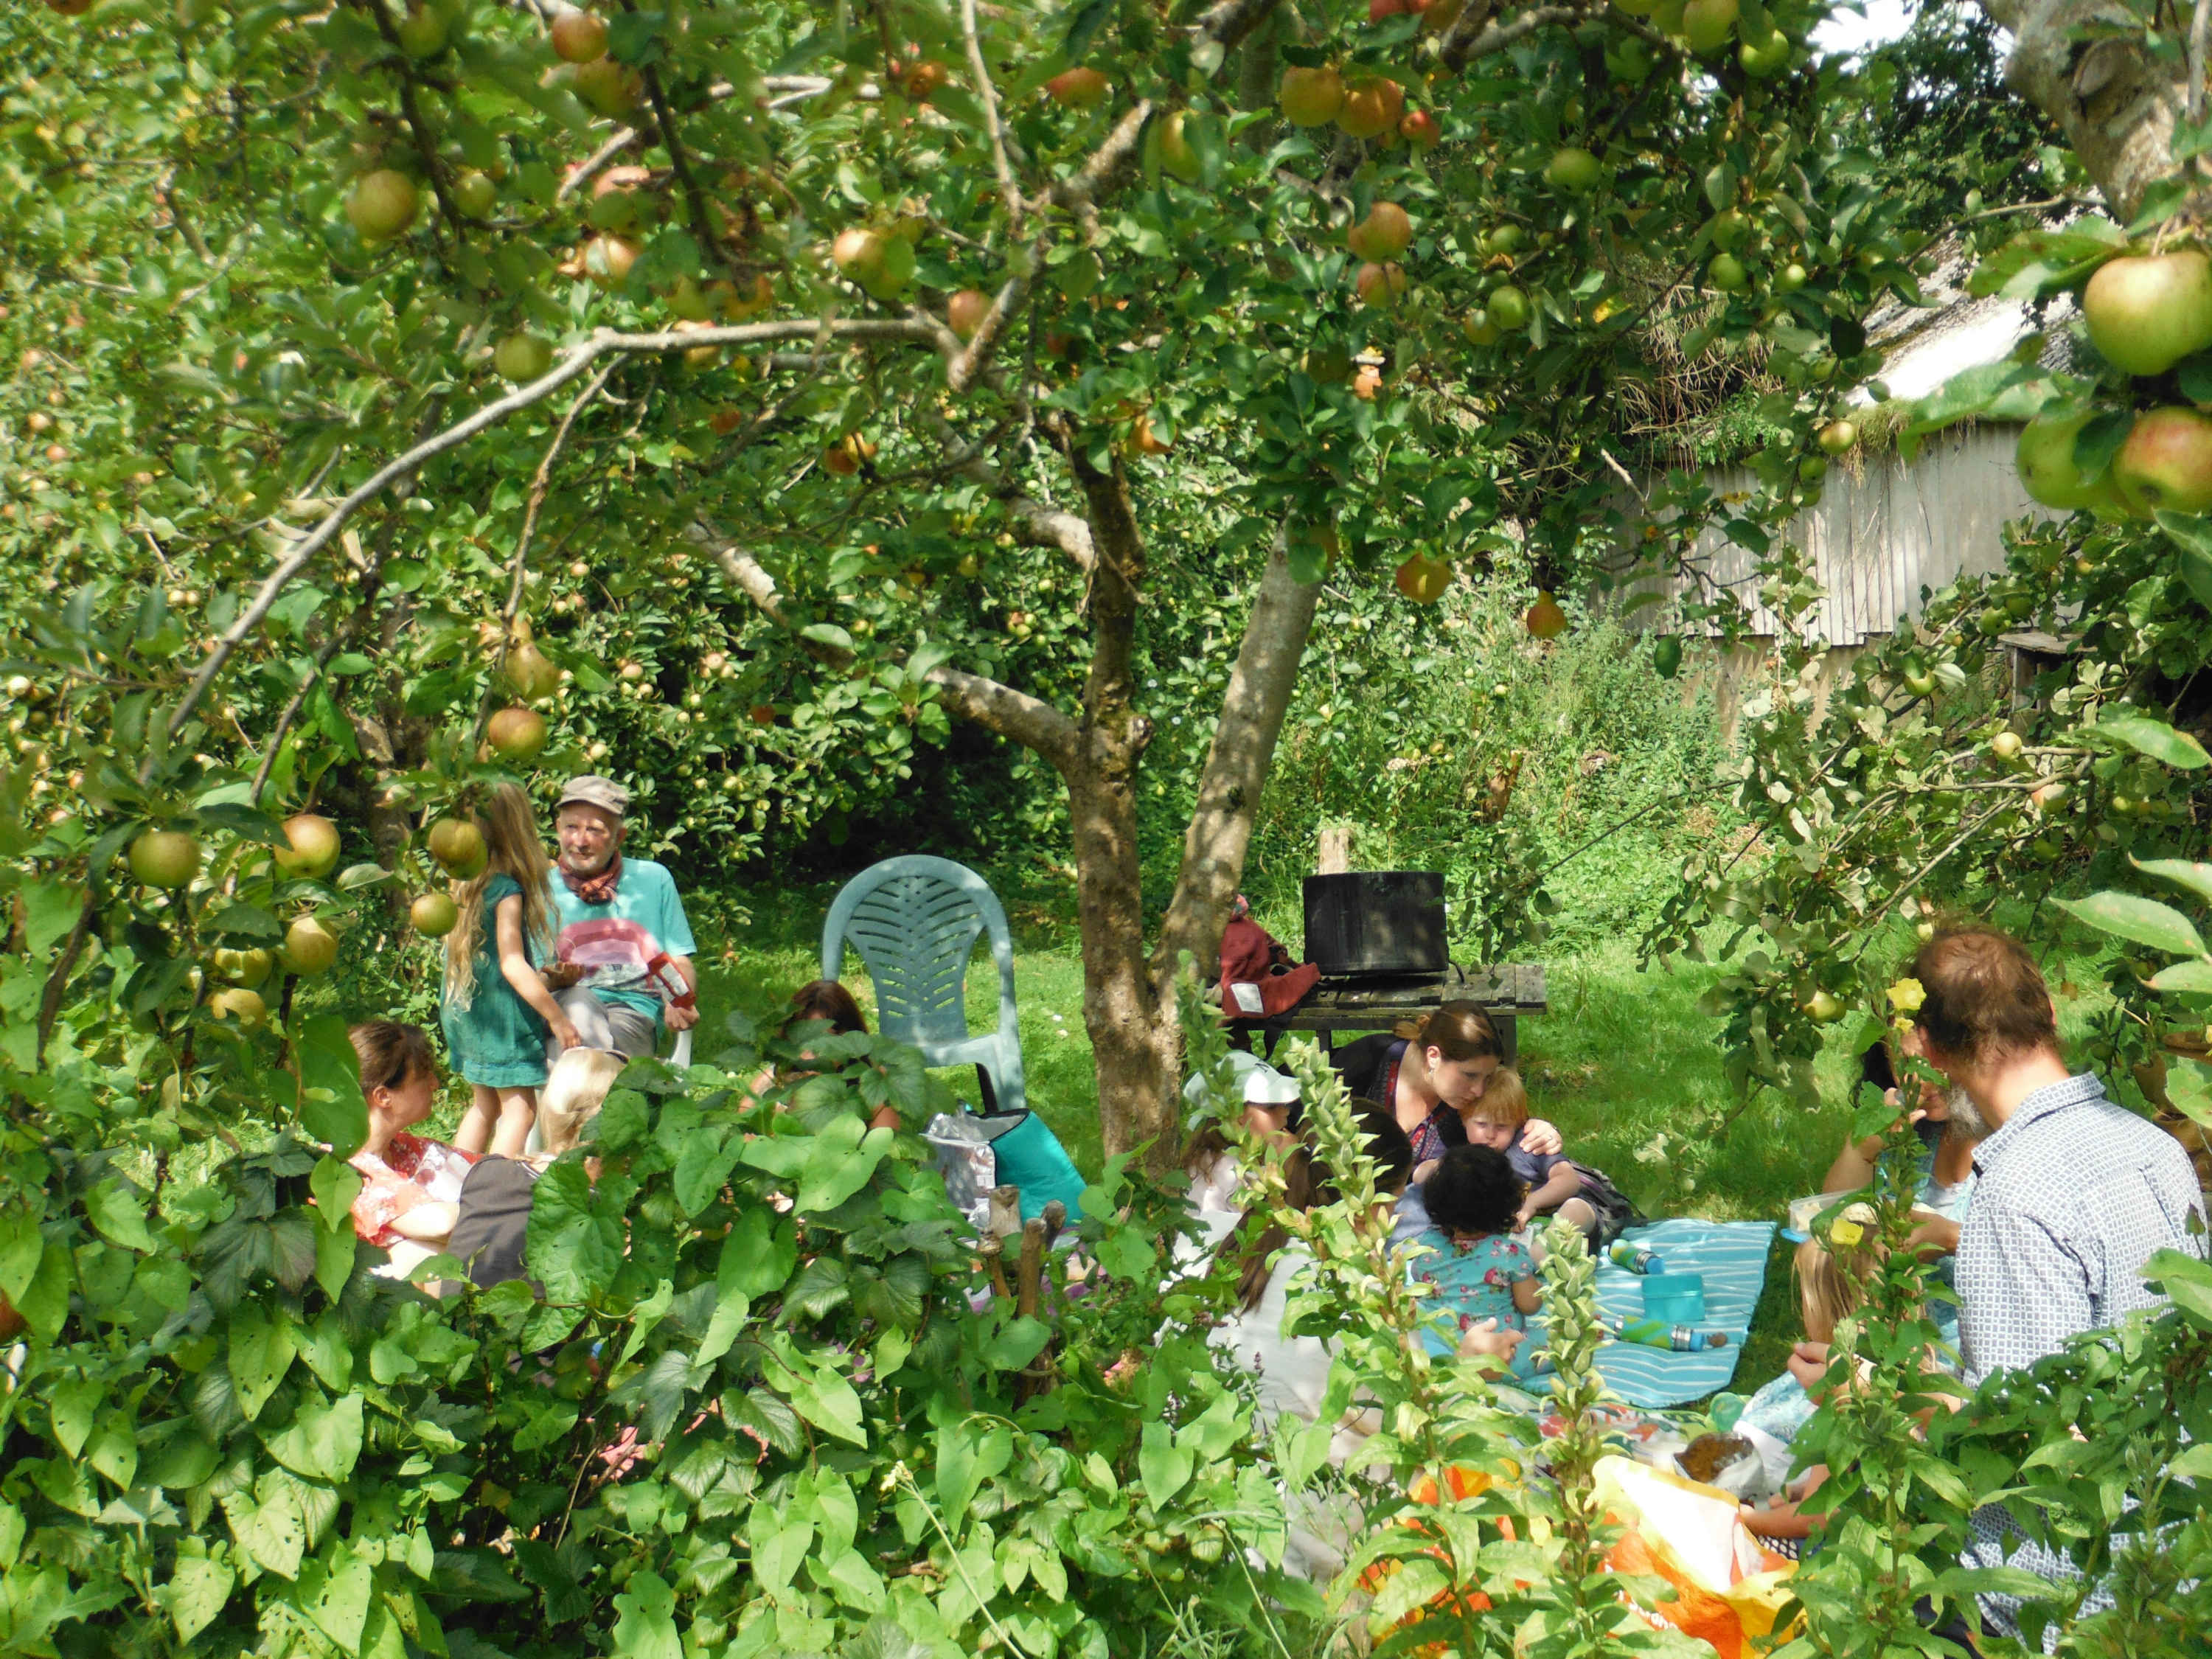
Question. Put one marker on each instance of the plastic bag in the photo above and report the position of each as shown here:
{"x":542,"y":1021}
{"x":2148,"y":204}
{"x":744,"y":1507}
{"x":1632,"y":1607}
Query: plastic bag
{"x":1728,"y":1588}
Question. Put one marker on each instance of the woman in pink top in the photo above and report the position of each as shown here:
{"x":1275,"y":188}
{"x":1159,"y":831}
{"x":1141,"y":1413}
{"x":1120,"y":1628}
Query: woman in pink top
{"x":411,"y":1187}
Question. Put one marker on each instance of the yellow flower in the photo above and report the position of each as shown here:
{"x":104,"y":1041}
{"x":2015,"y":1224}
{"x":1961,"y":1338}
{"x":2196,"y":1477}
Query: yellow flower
{"x":1907,"y":996}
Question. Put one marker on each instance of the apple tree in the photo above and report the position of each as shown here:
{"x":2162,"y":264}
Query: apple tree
{"x":1934,"y":787}
{"x":421,"y":342}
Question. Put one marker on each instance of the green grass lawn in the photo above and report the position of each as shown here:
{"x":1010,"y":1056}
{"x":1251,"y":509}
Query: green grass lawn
{"x":1624,"y":1062}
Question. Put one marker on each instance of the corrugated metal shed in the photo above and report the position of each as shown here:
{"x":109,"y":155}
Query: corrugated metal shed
{"x":1879,"y":536}
{"x":1885,"y":531}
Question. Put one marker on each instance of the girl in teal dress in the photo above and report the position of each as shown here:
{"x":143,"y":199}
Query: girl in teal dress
{"x":498,"y":1010}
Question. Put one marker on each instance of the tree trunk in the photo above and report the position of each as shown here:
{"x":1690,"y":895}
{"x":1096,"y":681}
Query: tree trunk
{"x":1133,"y":1036}
{"x":2115,"y":101}
{"x":1238,"y":762}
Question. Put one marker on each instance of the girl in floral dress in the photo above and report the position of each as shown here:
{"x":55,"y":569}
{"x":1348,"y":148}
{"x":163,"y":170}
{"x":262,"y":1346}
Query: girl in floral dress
{"x":1479,"y":1271}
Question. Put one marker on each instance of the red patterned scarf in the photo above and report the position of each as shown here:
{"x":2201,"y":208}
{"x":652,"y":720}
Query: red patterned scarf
{"x":595,"y":889}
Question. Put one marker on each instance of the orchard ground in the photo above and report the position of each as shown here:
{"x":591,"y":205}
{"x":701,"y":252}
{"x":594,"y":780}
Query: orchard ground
{"x":1623,"y":1058}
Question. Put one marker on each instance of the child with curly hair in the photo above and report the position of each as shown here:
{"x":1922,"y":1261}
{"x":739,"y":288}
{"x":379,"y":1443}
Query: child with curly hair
{"x":1483,"y":1277}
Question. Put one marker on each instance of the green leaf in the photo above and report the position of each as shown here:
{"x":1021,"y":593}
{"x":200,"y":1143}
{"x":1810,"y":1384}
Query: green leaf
{"x":20,"y":1246}
{"x":2182,"y":872}
{"x":1164,"y":1467}
{"x":195,"y":1593}
{"x":969,"y":1453}
{"x":336,"y":1250}
{"x":2042,"y":262}
{"x":335,"y":1183}
{"x":758,"y":1255}
{"x":635,"y":38}
{"x":115,"y":1211}
{"x":2145,"y":922}
{"x":573,"y":1248}
{"x":260,"y":1352}
{"x":322,"y":1441}
{"x":44,"y":1302}
{"x":644,"y":1624}
{"x":1016,"y":1344}
{"x":74,"y":1405}
{"x":2186,"y":1280}
{"x":332,"y":1106}
{"x":2186,"y":977}
{"x":50,"y":908}
{"x":336,"y":1596}
{"x":2155,"y":739}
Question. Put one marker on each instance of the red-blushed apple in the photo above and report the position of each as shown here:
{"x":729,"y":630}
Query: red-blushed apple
{"x":609,"y":89}
{"x":2147,"y":311}
{"x":1423,"y":579}
{"x":1382,"y":235}
{"x":1373,"y":106}
{"x":2165,"y":462}
{"x":1420,"y":129}
{"x":1310,"y":97}
{"x":579,"y":36}
{"x":1143,"y":440}
{"x":1078,"y":89}
{"x":608,"y":259}
{"x":924,"y":78}
{"x":517,"y":734}
{"x":457,"y":845}
{"x":965,"y":311}
{"x":1381,"y":285}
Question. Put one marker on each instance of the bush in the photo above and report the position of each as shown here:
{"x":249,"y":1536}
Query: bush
{"x":1558,"y":787}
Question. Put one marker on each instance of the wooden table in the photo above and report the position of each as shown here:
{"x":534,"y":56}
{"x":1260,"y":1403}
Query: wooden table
{"x":1508,"y":993}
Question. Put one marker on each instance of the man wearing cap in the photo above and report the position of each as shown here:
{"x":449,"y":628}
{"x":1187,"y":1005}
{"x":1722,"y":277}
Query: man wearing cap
{"x":623,"y":936}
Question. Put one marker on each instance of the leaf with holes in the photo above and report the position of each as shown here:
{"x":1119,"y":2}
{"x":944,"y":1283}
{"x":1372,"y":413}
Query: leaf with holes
{"x":260,"y":1352}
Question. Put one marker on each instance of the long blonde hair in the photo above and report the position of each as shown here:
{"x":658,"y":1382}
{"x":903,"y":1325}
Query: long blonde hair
{"x":512,"y":848}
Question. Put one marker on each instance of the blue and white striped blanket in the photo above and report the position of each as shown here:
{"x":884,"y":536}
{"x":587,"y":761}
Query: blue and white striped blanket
{"x":1732,"y":1255}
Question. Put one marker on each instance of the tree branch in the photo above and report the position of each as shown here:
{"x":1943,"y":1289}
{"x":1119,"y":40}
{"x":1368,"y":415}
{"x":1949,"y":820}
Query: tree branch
{"x":1252,"y":708}
{"x":701,"y":225}
{"x":518,"y":567}
{"x":1034,"y":724}
{"x":1010,"y":190}
{"x":1497,"y":36}
{"x":574,"y":363}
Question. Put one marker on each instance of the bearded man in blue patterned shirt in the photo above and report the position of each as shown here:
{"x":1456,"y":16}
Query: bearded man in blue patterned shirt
{"x":2073,"y":1194}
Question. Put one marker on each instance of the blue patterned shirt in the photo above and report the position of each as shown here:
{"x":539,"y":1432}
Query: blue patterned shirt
{"x":2075,"y":1195}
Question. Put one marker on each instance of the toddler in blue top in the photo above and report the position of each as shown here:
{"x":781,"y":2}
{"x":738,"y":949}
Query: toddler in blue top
{"x":1482,"y":1275}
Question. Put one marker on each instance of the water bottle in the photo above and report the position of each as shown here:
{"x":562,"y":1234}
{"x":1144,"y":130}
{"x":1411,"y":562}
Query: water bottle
{"x":1635,"y":1258}
{"x":1682,"y":1339}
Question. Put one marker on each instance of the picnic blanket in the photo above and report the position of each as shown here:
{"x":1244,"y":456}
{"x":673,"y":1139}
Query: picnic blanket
{"x":1732,"y":1255}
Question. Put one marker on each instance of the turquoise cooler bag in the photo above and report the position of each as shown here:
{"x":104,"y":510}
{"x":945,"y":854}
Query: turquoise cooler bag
{"x":1029,"y":1157}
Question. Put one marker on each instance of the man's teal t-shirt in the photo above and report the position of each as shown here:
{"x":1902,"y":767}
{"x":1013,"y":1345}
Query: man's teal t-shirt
{"x":612,"y":942}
